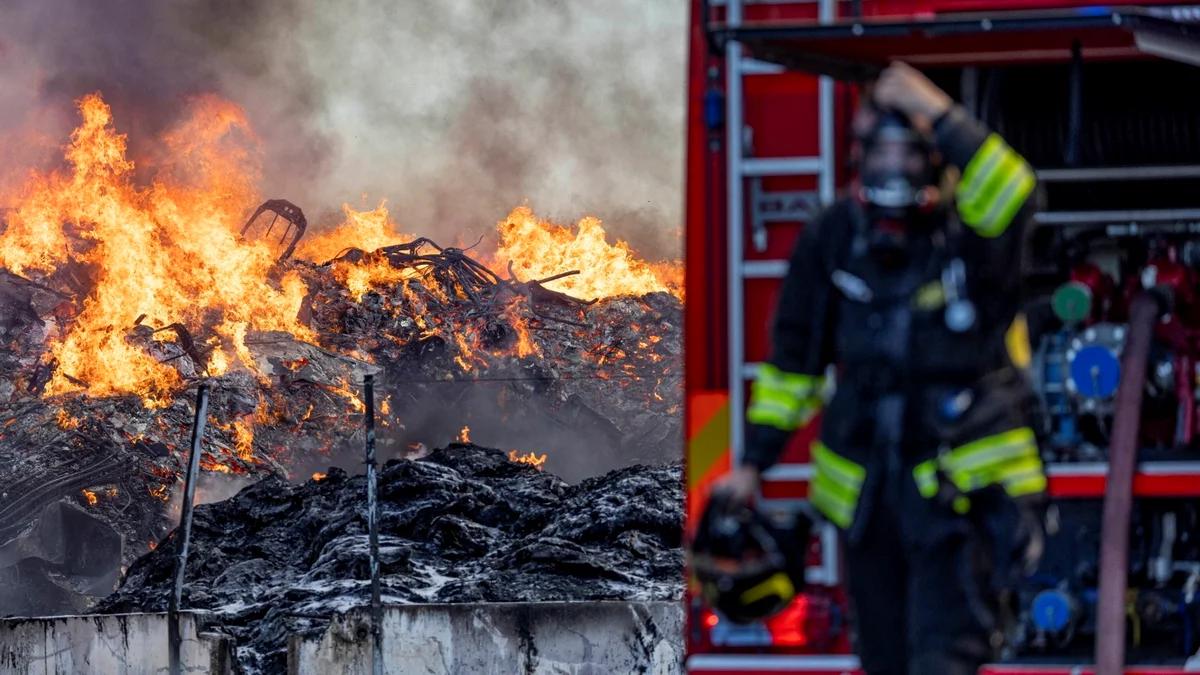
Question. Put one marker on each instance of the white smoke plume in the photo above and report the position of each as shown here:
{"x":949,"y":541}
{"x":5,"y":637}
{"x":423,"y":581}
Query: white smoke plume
{"x":454,"y":110}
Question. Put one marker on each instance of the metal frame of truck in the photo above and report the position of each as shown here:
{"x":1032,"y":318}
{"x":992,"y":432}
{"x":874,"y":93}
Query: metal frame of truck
{"x":752,"y":89}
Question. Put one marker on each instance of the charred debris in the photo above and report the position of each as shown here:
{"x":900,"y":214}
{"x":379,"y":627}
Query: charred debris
{"x":458,"y":351}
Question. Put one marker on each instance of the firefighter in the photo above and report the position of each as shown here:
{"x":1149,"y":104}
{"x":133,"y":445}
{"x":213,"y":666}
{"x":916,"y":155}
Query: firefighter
{"x":906,"y":296}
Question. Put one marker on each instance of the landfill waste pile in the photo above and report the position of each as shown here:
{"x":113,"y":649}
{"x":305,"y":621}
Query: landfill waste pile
{"x":118,"y":296}
{"x":464,"y":524}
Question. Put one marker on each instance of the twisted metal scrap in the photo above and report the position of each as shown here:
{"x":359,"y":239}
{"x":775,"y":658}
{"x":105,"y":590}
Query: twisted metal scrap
{"x":467,"y":278}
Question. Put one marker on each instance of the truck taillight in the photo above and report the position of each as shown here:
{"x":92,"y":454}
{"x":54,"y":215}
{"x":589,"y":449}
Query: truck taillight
{"x":790,"y":627}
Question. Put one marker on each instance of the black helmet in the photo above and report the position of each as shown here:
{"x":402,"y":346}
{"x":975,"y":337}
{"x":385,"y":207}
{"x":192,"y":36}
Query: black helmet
{"x":748,"y":566}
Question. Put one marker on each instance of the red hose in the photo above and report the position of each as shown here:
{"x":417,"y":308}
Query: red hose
{"x":1118,"y":496}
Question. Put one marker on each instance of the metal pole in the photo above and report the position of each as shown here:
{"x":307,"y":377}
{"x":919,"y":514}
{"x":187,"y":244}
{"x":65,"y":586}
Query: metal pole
{"x":735,"y":210}
{"x":373,"y":531}
{"x":185,"y":530}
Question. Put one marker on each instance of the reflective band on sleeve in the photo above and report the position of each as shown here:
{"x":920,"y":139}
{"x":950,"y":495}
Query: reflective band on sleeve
{"x":1010,"y":459}
{"x":925,"y":475}
{"x":783,"y":400}
{"x":980,"y":167}
{"x":1026,"y":484}
{"x":796,"y":384}
{"x":995,"y":183}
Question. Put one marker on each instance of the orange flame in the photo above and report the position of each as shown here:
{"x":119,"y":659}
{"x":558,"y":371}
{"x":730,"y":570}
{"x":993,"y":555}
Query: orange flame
{"x":65,"y":421}
{"x":343,"y":389}
{"x":170,"y":250}
{"x":536,"y":461}
{"x":91,"y":497}
{"x":318,"y":476}
{"x":464,"y":435}
{"x":366,"y":230}
{"x":538,"y":249}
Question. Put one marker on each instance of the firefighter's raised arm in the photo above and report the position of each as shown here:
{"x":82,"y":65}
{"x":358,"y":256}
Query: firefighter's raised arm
{"x":994,"y":194}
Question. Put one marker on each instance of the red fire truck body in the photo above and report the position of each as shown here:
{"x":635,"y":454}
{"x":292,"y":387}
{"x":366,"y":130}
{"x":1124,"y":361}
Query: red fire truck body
{"x":767,"y":146}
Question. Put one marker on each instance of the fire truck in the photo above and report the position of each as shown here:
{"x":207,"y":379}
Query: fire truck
{"x":1102,"y":100}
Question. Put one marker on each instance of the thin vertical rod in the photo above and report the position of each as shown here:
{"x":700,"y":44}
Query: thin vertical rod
{"x":174,"y":635}
{"x":373,"y":530}
{"x":826,"y":187}
{"x":734,"y":230}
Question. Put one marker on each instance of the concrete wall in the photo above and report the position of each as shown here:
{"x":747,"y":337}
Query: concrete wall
{"x":118,"y":644}
{"x":563,"y":638}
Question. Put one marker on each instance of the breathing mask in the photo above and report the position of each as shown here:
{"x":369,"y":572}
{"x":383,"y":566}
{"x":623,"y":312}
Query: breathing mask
{"x":898,"y":181}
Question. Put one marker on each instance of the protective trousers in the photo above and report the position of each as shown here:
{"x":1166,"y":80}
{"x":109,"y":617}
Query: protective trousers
{"x":917,"y":579}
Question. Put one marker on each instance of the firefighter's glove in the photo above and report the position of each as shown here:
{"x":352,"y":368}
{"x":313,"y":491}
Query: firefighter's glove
{"x":1016,"y":530}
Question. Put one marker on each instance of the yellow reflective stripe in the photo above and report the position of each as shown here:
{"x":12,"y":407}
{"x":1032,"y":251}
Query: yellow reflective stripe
{"x":994,"y":185}
{"x":838,"y":513}
{"x":980,"y":167}
{"x":1005,"y":208}
{"x":925,"y":476}
{"x":844,"y":470}
{"x":961,"y":504}
{"x":846,"y":494}
{"x":989,"y":187}
{"x":999,"y":472}
{"x":836,"y":485}
{"x":1010,"y":458}
{"x":986,"y":460}
{"x":778,"y":584}
{"x":781,"y":411}
{"x":799,"y":385}
{"x":975,"y":453}
{"x":771,"y":415}
{"x":1029,"y":484}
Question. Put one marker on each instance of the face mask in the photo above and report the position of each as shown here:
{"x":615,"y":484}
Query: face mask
{"x":897,"y":184}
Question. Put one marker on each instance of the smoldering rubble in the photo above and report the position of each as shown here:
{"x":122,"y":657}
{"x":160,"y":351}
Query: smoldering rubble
{"x":464,"y":524}
{"x":88,"y":481}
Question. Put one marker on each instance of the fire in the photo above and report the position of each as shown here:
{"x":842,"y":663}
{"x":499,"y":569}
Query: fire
{"x":65,"y":421}
{"x":534,"y":460}
{"x":525,"y":344}
{"x":370,"y":273}
{"x":243,"y":437}
{"x":318,"y":476}
{"x":538,"y":249}
{"x":208,"y":463}
{"x":91,"y":497}
{"x":366,"y":230}
{"x":343,"y":389}
{"x":464,"y":435}
{"x":169,"y":250}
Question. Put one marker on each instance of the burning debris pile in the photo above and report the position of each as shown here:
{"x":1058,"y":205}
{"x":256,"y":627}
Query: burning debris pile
{"x":464,"y":524}
{"x":121,"y":289}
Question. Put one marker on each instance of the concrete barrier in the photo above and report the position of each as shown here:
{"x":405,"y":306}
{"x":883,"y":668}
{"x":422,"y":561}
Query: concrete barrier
{"x":116,"y":644}
{"x":576,"y":638}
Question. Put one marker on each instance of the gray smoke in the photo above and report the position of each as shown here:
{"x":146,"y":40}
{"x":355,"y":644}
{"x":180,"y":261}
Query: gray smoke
{"x":454,"y":110}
